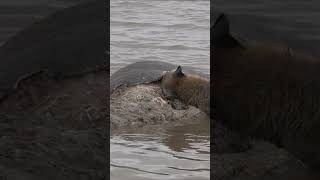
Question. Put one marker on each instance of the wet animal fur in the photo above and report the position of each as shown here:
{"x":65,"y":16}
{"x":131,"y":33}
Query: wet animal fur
{"x":190,"y":89}
{"x":268,"y":92}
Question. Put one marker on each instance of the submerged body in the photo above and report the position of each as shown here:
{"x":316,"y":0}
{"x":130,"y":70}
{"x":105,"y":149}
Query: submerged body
{"x":190,"y":89}
{"x":268,"y":92}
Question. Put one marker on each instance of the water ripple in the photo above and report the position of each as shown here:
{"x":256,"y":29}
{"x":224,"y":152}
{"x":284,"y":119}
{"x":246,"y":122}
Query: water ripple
{"x":169,"y":31}
{"x":165,"y":153}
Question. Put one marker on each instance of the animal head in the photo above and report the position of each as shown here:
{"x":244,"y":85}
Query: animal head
{"x":234,"y":63}
{"x":170,"y":81}
{"x":229,"y":55}
{"x":225,"y":49}
{"x":244,"y":75}
{"x":170,"y":78}
{"x":220,"y":33}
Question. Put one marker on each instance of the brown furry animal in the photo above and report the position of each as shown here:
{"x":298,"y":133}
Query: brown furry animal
{"x":190,"y":89}
{"x":267,"y":92}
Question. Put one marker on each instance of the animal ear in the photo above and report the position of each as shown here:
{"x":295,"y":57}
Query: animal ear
{"x":220,"y":33}
{"x":221,"y":27}
{"x":179,"y":72}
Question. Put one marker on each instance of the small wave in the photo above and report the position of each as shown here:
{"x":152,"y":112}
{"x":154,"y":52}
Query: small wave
{"x":178,"y":47}
{"x":148,"y":24}
{"x":183,"y":169}
{"x":186,"y":25}
{"x":187,"y":158}
{"x":153,"y":46}
{"x":135,"y":24}
{"x":137,"y":169}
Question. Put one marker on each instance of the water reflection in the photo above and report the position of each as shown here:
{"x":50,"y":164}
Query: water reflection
{"x":161,"y":152}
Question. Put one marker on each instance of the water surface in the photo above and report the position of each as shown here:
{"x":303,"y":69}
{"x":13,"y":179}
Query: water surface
{"x":169,"y":31}
{"x":161,"y":153}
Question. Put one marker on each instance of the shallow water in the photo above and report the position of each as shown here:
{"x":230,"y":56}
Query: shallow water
{"x":161,"y":153}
